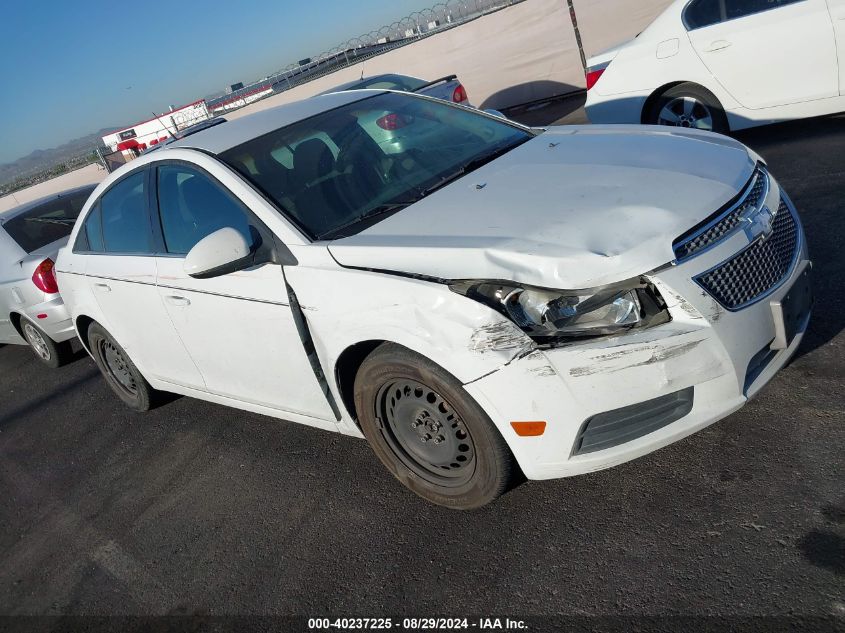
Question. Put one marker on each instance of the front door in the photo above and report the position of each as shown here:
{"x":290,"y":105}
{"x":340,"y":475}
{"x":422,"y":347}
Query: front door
{"x":238,"y":328}
{"x":766,"y":53}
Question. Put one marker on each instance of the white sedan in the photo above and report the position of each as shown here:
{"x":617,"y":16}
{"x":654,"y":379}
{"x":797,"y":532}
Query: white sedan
{"x":725,"y":65}
{"x":492,"y":299}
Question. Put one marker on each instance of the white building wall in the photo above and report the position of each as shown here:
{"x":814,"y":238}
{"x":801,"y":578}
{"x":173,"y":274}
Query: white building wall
{"x":161,"y":128}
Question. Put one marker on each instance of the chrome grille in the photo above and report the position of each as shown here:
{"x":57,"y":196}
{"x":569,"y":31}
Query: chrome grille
{"x":728,"y":221}
{"x":756,"y":270}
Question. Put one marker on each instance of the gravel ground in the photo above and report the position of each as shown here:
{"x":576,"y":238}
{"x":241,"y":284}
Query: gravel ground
{"x":196,"y":509}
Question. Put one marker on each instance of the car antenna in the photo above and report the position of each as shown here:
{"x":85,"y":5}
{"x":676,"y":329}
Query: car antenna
{"x":166,"y":129}
{"x":362,"y":71}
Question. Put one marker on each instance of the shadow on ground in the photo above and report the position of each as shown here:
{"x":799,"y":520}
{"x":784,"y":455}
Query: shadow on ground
{"x":528,"y":93}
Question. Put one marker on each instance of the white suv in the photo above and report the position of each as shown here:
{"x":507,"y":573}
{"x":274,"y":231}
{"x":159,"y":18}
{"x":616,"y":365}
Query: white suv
{"x":487,"y":300}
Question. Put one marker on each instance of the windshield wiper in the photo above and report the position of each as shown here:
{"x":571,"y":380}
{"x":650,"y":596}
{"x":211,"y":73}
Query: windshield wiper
{"x":394,"y":206}
{"x":382,"y":209}
{"x":62,"y":221}
{"x":472,"y":165}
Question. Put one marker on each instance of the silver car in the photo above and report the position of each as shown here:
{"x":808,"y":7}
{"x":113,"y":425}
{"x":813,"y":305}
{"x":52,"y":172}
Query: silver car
{"x":446,"y":88}
{"x":31,"y":309}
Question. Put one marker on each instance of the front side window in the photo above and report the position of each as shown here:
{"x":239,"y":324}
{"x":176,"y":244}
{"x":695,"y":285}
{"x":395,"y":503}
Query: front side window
{"x":46,"y":223}
{"x":335,"y":173}
{"x":125,"y":218}
{"x":191,"y":206}
{"x":701,"y":13}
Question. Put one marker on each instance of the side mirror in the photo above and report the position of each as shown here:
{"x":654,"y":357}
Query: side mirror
{"x":222,"y":252}
{"x":495,"y":113}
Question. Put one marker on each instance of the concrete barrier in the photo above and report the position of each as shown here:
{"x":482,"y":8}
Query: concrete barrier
{"x":522,"y":53}
{"x":607,"y":23}
{"x":77,"y":178}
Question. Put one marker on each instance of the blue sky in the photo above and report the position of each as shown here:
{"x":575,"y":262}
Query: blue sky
{"x":70,"y":68}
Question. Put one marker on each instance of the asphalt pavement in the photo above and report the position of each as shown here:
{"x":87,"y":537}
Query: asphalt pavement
{"x":197,"y":509}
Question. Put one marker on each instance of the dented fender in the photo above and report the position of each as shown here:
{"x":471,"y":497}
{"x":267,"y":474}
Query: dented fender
{"x":465,"y":337}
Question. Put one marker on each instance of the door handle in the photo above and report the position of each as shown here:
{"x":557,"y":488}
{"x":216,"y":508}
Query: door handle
{"x":176,"y":300}
{"x":718,"y":45}
{"x":103,"y":287}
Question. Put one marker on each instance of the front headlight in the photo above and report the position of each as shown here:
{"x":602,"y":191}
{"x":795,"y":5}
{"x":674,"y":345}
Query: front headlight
{"x":554,"y":314}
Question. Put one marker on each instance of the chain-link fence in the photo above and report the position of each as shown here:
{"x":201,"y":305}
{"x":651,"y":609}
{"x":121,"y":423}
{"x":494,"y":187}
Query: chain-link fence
{"x":411,"y":28}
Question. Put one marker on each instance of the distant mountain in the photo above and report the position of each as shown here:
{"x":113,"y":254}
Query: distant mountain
{"x":42,"y":159}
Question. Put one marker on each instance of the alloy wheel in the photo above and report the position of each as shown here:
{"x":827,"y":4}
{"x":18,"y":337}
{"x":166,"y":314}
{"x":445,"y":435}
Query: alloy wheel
{"x":36,"y":341}
{"x":686,"y":112}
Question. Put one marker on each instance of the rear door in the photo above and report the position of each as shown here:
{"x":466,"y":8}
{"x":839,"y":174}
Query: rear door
{"x":238,"y":328}
{"x":121,"y":272}
{"x":766,"y":53}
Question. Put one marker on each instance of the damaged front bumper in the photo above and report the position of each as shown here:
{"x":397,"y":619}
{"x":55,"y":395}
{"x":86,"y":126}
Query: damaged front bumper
{"x":611,"y":400}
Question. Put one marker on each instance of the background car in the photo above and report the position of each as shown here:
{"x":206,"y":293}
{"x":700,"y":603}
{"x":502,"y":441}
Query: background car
{"x":31,"y":309}
{"x":447,"y":88}
{"x":725,"y":65}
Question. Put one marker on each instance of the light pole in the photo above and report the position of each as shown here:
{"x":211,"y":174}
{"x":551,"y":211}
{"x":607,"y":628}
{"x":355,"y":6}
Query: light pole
{"x":574,"y":19}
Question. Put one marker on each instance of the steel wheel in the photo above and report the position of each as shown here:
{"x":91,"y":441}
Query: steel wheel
{"x":36,"y":341}
{"x":429,"y":432}
{"x":117,"y":367}
{"x":121,"y":374}
{"x":686,"y":112}
{"x":425,"y":432}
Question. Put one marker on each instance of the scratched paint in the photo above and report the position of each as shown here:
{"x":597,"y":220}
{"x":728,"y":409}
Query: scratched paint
{"x":543,"y":371}
{"x":602,"y":364}
{"x":498,"y":336}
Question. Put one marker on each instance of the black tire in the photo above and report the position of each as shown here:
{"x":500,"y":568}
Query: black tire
{"x":46,"y":350}
{"x":400,"y":398}
{"x":119,"y":370}
{"x":706,"y":100}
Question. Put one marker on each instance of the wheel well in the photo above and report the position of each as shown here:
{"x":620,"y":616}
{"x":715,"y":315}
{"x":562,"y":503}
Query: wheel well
{"x":82,"y":324}
{"x":15,"y":320}
{"x":654,"y":96}
{"x":652,"y":99}
{"x":346,"y":368}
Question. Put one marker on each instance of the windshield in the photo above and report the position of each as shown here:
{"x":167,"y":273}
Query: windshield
{"x":47,"y":222}
{"x":338,"y":172}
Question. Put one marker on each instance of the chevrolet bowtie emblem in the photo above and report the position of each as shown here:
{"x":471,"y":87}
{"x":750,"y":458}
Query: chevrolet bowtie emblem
{"x":758,"y":223}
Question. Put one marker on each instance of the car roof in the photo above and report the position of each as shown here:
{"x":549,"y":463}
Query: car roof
{"x":220,"y":138}
{"x":8,"y":214}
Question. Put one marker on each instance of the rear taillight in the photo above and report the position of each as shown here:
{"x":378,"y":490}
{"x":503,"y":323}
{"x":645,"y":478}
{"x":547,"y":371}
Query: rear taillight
{"x":394,"y":121}
{"x":44,"y":277}
{"x":459,"y":95}
{"x":593,"y":75}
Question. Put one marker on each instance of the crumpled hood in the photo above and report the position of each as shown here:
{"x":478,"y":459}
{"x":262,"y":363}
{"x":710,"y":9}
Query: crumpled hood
{"x":576,"y":207}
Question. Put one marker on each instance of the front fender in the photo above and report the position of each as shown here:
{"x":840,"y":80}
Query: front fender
{"x":347,"y":306}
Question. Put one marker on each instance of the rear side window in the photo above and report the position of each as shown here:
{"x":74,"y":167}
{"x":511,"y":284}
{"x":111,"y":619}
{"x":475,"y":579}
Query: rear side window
{"x":395,"y":82}
{"x":46,"y":223}
{"x":125,"y":218}
{"x":192,"y":205}
{"x":90,"y":238}
{"x":701,"y":13}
